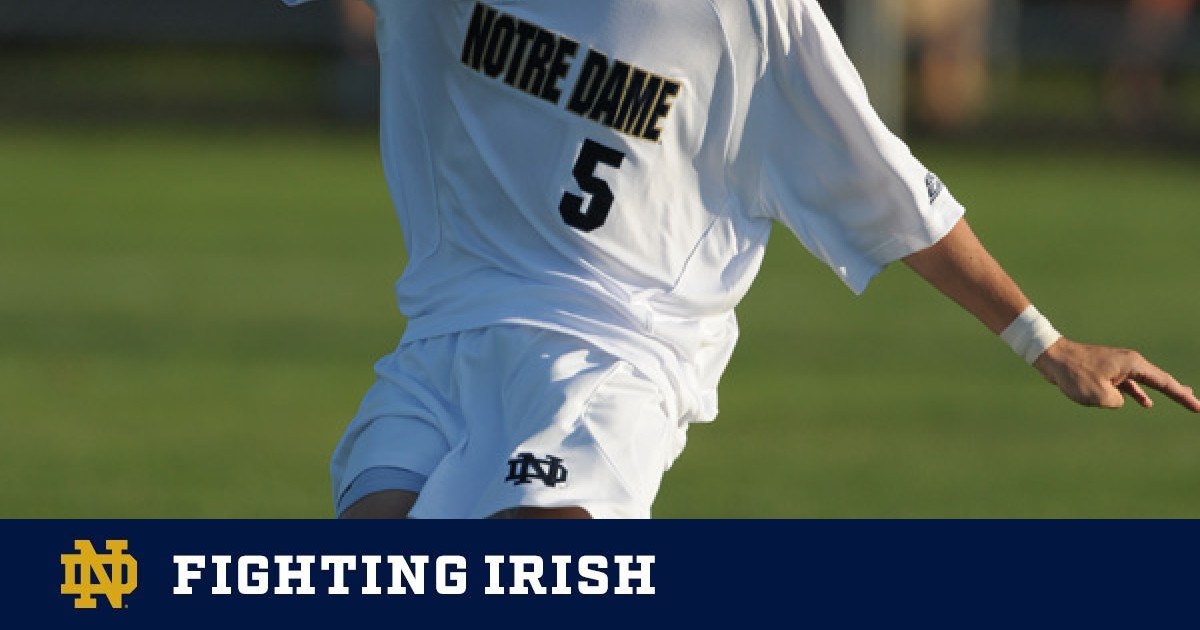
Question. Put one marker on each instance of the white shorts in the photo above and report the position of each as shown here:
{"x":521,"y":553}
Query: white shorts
{"x":510,"y":416}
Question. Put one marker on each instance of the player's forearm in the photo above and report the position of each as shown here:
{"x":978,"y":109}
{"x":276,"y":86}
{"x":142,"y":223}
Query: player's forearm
{"x":960,"y":267}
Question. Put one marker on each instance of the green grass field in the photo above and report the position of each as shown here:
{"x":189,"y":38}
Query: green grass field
{"x":188,"y":317}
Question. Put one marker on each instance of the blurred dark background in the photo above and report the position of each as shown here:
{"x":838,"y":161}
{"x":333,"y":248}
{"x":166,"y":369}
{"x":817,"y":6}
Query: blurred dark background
{"x":978,"y":68}
{"x":181,"y":61}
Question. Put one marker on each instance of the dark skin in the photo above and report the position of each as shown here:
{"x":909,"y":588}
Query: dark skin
{"x":397,"y":504}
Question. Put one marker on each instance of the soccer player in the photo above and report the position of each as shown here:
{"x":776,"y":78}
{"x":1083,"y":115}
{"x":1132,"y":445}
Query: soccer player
{"x":586,"y":190}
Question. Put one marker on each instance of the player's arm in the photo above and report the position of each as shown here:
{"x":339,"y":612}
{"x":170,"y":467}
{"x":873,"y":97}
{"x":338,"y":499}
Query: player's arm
{"x":960,"y":267}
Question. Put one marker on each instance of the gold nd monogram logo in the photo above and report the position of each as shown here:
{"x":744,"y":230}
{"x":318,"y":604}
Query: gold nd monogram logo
{"x":80,"y":568}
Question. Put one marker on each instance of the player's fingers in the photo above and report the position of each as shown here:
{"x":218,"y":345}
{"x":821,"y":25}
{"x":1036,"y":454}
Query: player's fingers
{"x":1109,"y":398}
{"x":1149,"y":374}
{"x":1101,"y":393}
{"x":1135,"y":391}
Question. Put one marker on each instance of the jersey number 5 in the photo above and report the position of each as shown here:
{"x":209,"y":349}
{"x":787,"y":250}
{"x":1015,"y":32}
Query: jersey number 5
{"x":571,"y":207}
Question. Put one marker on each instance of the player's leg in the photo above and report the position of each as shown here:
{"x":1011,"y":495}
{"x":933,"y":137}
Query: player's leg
{"x":402,"y":430}
{"x":380,"y":492}
{"x":555,"y":428}
{"x":542,"y":513}
{"x":506,"y":422}
{"x":396,"y":504}
{"x":382,"y":504}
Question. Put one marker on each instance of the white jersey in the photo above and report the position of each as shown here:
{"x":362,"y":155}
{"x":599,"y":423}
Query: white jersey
{"x":612,"y":168}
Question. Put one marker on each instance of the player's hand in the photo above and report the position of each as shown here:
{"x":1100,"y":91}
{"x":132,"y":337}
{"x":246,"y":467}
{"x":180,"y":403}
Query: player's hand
{"x":1097,"y":376}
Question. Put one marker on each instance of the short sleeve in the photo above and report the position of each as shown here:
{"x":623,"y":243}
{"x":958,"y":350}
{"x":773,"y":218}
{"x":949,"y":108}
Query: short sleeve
{"x":817,"y":158}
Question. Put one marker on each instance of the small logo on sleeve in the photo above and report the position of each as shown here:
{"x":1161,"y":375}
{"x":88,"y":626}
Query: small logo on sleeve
{"x":934,"y":186}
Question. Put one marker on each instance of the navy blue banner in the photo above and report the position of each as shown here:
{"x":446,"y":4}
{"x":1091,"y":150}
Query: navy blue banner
{"x":95,"y":574}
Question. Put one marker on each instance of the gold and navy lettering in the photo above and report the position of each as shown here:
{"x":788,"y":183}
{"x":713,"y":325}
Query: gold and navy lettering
{"x":611,"y":92}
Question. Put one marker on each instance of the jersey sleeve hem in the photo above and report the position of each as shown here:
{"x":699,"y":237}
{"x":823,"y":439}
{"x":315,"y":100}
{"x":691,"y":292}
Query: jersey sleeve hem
{"x":944,"y":215}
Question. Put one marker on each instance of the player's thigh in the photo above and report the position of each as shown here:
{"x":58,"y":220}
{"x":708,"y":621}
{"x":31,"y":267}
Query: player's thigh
{"x":579,"y":433}
{"x":402,"y":429}
{"x":534,"y":513}
{"x":396,"y":504}
{"x":382,"y":504}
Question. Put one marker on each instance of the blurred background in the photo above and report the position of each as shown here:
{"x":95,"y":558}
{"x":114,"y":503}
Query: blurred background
{"x":197,"y":249}
{"x":947,"y":66}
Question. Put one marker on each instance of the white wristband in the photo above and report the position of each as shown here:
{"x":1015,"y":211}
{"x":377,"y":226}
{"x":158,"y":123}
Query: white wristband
{"x":1030,"y":334}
